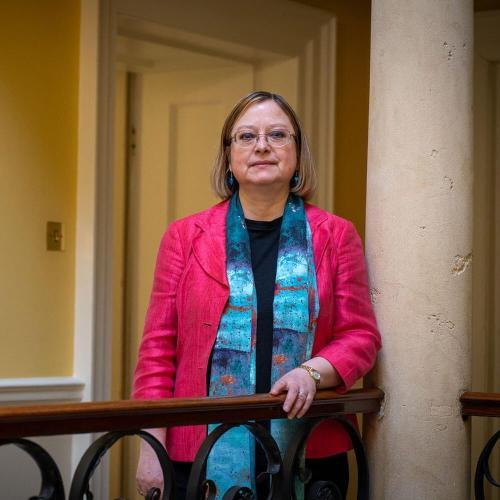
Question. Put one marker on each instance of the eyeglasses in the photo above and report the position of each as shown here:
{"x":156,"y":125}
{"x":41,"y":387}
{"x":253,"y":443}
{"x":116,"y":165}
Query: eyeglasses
{"x":276,"y":138}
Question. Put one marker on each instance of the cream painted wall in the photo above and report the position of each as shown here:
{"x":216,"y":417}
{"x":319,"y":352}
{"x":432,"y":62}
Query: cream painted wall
{"x":38,"y":148}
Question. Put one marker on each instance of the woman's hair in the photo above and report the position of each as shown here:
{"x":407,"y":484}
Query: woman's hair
{"x":305,"y":166}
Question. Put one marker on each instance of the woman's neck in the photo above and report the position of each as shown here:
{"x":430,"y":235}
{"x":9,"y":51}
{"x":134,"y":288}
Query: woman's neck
{"x":262,"y":207}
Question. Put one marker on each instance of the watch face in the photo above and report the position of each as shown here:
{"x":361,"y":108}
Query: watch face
{"x":315,"y":374}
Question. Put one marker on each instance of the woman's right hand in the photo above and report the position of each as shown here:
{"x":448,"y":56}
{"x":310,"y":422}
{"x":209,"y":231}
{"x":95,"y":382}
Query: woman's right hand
{"x":149,"y":474}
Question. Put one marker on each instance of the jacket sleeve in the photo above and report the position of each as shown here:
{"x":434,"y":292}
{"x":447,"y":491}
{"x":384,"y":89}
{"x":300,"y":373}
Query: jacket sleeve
{"x":355,"y":339}
{"x":155,"y":370}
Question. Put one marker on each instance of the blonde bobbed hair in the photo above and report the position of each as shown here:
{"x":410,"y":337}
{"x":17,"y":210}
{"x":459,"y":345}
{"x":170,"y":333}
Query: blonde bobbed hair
{"x":305,"y":166}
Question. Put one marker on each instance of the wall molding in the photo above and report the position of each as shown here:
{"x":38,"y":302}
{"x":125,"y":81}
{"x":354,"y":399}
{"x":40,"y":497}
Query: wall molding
{"x":35,"y":389}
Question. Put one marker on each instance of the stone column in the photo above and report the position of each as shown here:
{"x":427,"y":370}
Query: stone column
{"x":419,"y":244}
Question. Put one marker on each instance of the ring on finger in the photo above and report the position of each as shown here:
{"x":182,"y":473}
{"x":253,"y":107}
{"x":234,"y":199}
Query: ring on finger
{"x":302,"y":395}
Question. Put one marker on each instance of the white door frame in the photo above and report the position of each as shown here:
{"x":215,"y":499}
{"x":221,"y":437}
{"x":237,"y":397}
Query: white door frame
{"x":94,"y":244}
{"x":92,"y":327}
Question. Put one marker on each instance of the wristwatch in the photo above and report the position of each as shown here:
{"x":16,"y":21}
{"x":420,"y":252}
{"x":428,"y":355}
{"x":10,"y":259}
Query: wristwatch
{"x":315,"y":374}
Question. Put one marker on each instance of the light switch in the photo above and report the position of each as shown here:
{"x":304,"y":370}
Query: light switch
{"x":55,"y":236}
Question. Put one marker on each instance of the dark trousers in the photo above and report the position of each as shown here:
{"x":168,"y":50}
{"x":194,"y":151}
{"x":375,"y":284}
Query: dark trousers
{"x":334,"y":469}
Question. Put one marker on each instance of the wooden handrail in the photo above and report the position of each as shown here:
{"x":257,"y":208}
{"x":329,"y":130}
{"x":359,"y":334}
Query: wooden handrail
{"x":480,"y":404}
{"x":75,"y":418}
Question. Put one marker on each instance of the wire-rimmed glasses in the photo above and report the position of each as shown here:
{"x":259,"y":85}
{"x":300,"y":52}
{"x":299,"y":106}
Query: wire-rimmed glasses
{"x":277,"y":138}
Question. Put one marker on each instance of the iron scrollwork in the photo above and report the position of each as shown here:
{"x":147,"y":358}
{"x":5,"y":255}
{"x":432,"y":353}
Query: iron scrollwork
{"x":281,"y":473}
{"x":322,"y":490}
{"x":80,"y":485}
{"x":483,"y":468}
{"x":52,"y":487}
{"x":197,"y":484}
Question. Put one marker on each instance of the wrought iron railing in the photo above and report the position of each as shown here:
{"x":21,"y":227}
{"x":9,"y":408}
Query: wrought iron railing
{"x":483,"y":404}
{"x":123,"y":418}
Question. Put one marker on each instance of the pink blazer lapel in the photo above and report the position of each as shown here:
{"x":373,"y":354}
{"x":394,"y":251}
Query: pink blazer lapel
{"x":209,"y":247}
{"x":320,"y":235}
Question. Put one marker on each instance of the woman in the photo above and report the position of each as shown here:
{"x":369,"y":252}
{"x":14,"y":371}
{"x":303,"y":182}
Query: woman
{"x":260,"y":280}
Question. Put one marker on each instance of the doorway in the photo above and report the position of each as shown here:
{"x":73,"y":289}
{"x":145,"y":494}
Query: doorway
{"x":177,"y":77}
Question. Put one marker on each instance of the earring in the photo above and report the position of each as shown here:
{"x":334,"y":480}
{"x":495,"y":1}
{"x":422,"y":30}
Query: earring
{"x":230,"y":179}
{"x":295,"y":179}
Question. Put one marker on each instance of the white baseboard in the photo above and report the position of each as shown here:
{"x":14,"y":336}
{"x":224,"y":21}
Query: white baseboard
{"x":37,"y":389}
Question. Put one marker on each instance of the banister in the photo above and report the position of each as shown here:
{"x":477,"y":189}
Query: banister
{"x":480,"y":404}
{"x":75,"y":418}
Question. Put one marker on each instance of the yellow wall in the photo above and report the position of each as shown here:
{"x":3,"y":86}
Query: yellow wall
{"x":38,"y":151}
{"x":352,"y":96}
{"x":353,"y":85}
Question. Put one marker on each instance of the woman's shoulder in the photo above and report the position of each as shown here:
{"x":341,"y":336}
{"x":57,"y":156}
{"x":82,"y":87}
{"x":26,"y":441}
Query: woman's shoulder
{"x":334,"y":223}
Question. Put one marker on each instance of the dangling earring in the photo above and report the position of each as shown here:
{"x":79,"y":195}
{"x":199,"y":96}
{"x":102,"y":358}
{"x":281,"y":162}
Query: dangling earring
{"x":230,"y":180}
{"x":295,"y":179}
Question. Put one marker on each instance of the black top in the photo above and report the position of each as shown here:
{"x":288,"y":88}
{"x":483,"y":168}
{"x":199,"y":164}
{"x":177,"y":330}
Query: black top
{"x":264,"y":243}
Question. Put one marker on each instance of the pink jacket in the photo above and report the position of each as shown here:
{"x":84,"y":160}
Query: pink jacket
{"x":190,"y":292}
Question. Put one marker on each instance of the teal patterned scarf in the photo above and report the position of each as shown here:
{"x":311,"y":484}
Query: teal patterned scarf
{"x":295,"y":310}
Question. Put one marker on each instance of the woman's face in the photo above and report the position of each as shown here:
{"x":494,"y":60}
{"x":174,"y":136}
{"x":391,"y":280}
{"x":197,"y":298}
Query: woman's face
{"x":263,"y":164}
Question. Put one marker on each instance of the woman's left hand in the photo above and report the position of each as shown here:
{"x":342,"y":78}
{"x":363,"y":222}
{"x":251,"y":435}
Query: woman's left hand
{"x":300,"y":389}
